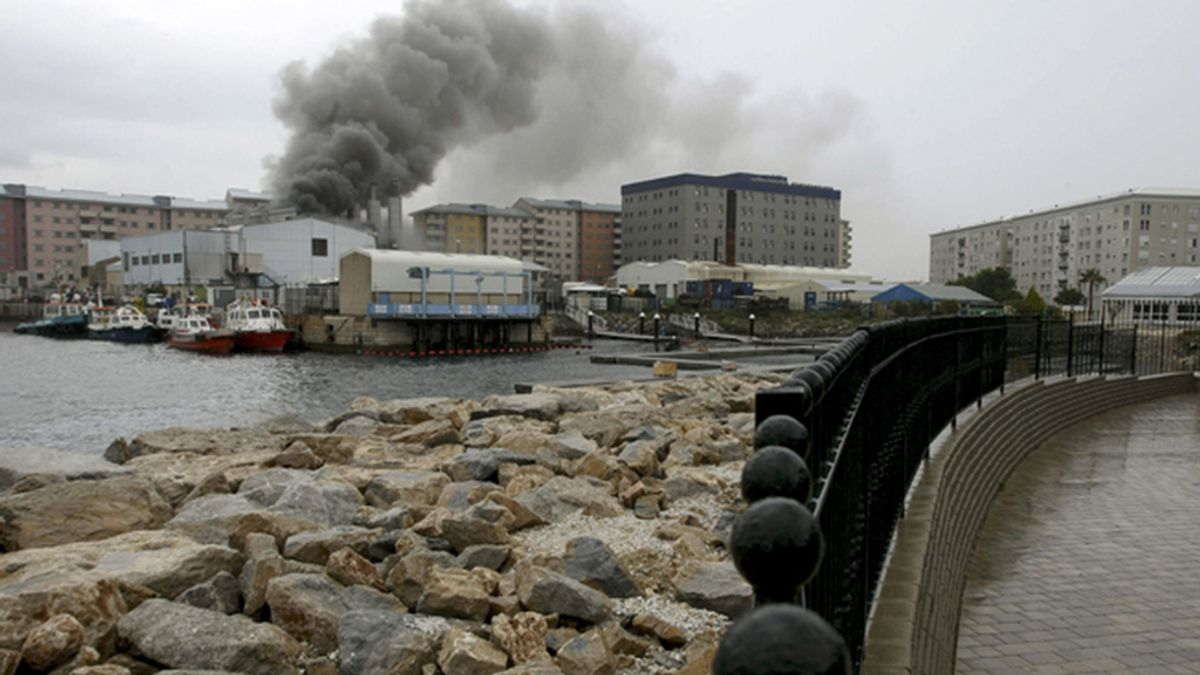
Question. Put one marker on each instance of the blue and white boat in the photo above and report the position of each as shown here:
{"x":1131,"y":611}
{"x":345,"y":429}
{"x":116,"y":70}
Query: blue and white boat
{"x":125,"y":324}
{"x":59,"y":320}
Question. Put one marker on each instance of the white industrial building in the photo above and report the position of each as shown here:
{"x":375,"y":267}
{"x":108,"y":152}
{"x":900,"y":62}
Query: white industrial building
{"x":668,"y":279}
{"x":245,"y":257}
{"x":424,"y":285}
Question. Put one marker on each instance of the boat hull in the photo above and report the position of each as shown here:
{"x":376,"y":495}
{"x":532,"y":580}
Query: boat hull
{"x":263,"y":341}
{"x":206,"y":344}
{"x":144,"y":335}
{"x":65,"y":327}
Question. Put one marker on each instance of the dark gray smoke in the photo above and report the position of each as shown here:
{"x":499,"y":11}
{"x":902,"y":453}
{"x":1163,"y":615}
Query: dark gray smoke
{"x":527,"y":101}
{"x":388,"y":107}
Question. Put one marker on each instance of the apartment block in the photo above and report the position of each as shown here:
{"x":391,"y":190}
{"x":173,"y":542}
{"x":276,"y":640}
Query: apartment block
{"x":1048,"y":249}
{"x":42,"y":230}
{"x":734,"y":218}
{"x":572,"y":238}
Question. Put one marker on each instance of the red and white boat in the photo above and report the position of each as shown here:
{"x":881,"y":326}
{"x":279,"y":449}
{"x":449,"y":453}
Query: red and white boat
{"x":258,"y":328}
{"x":194,"y":333}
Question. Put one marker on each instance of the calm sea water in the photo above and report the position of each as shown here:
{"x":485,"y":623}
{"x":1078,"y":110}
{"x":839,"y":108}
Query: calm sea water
{"x":81,"y":394}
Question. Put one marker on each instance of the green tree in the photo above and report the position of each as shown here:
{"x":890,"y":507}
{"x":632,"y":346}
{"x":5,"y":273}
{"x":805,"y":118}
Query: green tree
{"x":1069,"y":296}
{"x":1032,"y":303}
{"x":1091,"y":277}
{"x":996,"y":283}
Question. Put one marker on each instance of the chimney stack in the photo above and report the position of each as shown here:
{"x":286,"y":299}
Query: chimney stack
{"x":395,"y":237}
{"x":375,"y":218}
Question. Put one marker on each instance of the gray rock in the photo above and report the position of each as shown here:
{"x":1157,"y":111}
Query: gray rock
{"x":359,"y":424}
{"x":298,"y":455}
{"x":463,"y":531}
{"x":641,"y":457}
{"x":542,"y":590}
{"x":255,"y":577}
{"x":395,"y":518}
{"x":308,"y":607}
{"x":572,"y":445}
{"x":560,"y":497}
{"x":266,"y":487}
{"x":181,"y":636}
{"x":460,"y":496}
{"x":221,"y":593}
{"x":538,"y":405}
{"x":82,"y":510}
{"x":454,"y":593}
{"x":483,"y":464}
{"x":18,"y":463}
{"x":491,"y":556}
{"x":590,"y":562}
{"x":466,"y":654}
{"x":227,"y":519}
{"x":587,"y":654}
{"x":714,"y":586}
{"x":362,"y":597}
{"x":316,"y":546}
{"x":287,"y":423}
{"x":407,"y":578}
{"x":406,"y":488}
{"x":373,"y":642}
{"x":329,"y":503}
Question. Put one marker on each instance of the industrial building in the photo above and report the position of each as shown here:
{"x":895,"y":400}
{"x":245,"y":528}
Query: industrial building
{"x":257,"y":259}
{"x":932,"y":293}
{"x":668,"y":280}
{"x":734,"y":218}
{"x":1047,"y":249}
{"x":424,"y":301}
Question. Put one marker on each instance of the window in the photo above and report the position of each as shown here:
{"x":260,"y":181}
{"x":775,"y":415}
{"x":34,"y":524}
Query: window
{"x":320,"y":248}
{"x":154,"y":259}
{"x":178,"y":258}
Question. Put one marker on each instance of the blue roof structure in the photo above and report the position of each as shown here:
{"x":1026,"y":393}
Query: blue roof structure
{"x":932,"y":293}
{"x":735,"y":181}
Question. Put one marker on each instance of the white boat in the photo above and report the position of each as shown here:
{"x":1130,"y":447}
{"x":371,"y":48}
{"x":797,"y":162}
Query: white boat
{"x":125,"y":324}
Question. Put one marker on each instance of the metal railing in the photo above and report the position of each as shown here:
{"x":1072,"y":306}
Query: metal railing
{"x":839,"y":443}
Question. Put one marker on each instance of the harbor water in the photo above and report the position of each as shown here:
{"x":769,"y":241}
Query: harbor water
{"x":81,"y":394}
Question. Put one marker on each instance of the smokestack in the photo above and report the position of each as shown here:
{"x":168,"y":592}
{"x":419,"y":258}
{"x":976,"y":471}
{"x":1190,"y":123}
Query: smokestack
{"x":395,"y":237}
{"x":375,"y":218}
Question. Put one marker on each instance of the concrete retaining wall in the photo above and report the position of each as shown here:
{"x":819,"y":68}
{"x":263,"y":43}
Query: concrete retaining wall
{"x":915,"y":625}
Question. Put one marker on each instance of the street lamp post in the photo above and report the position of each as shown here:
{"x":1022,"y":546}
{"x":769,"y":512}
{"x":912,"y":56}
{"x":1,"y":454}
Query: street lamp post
{"x":591,"y":318}
{"x":641,"y":323}
{"x":656,"y":319}
{"x":696,"y":321}
{"x":751,"y":326}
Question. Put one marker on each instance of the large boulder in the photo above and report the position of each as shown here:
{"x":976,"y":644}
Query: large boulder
{"x":587,"y":654}
{"x":186,"y":637}
{"x":84,"y":510}
{"x":483,"y":464}
{"x":53,"y":642}
{"x":317,"y":545}
{"x":539,"y":406}
{"x":308,"y":607}
{"x":220,"y":594}
{"x":589,"y":561}
{"x":465,"y":654}
{"x":374,"y":642}
{"x":714,"y":586}
{"x":430,"y":433}
{"x":228,"y":519}
{"x":198,"y":441}
{"x":454,"y":593}
{"x":19,"y":463}
{"x":406,"y":488}
{"x":560,"y":497}
{"x":542,"y":590}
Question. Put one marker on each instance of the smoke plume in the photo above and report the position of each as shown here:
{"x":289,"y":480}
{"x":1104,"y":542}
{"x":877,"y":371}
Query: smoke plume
{"x":527,"y":99}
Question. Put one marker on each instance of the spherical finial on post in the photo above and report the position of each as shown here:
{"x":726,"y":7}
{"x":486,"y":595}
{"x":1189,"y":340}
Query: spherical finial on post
{"x":777,"y":547}
{"x":776,"y":471}
{"x":782,"y":639}
{"x":782,"y":430}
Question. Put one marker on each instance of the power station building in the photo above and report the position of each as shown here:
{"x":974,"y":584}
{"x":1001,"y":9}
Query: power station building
{"x":1047,"y":249}
{"x":734,"y":218}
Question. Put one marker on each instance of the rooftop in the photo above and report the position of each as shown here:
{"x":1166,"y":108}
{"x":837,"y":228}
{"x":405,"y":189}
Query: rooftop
{"x":735,"y":181}
{"x":1145,"y":192}
{"x":1157,"y":282}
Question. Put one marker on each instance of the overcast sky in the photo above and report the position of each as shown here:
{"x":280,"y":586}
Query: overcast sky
{"x":927,"y":115}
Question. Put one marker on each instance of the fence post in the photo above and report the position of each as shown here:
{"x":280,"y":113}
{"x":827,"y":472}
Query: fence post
{"x":1133,"y":351}
{"x":1100,"y":350}
{"x":1037,"y":352}
{"x":1070,"y":346}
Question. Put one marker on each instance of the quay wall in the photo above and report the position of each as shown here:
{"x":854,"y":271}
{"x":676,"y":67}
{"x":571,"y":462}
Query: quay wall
{"x":915,"y":624}
{"x":346,"y":333}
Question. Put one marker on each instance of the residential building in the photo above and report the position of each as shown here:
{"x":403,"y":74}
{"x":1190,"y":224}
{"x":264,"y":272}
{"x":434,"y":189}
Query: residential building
{"x":734,"y":218}
{"x":41,"y":230}
{"x":1047,"y":249}
{"x":572,"y":238}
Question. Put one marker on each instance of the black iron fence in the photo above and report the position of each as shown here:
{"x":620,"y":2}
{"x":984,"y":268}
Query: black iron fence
{"x":856,"y":425}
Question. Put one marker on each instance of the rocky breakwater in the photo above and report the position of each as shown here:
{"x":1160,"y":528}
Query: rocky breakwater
{"x":580,"y":531}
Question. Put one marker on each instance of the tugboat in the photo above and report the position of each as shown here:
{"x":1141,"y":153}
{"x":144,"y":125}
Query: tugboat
{"x":59,"y":320}
{"x":126,"y":324}
{"x":258,"y":328}
{"x":194,"y":333}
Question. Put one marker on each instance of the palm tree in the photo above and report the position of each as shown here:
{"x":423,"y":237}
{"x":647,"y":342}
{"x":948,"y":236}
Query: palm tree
{"x":1091,"y":277}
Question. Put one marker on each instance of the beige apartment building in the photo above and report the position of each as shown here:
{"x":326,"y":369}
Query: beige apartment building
{"x":44,"y":229}
{"x":1047,"y":249}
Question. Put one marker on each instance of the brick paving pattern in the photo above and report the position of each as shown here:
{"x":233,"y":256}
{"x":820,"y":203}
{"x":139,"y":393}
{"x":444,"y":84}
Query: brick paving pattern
{"x":1090,"y":558}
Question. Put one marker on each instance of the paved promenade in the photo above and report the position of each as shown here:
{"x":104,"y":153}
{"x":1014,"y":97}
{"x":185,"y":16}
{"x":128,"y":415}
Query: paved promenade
{"x":1090,"y":559}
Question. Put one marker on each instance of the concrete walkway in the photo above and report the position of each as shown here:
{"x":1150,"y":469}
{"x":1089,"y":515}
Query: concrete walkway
{"x":1090,"y":558}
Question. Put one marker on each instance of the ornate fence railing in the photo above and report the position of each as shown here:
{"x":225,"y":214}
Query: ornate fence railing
{"x":838,"y":444}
